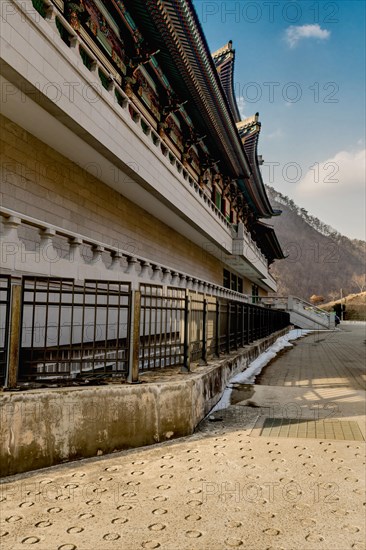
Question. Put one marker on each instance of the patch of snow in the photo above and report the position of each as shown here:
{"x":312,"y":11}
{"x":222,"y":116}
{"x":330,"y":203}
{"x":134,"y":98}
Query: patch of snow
{"x":255,"y":367}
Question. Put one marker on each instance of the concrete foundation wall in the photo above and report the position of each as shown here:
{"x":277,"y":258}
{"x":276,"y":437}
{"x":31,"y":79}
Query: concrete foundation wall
{"x":40,"y":428}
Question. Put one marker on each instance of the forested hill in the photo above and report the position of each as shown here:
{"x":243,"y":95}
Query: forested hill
{"x":320,"y":260}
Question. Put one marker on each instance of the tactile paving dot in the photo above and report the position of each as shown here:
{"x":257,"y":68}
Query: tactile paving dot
{"x":54,"y":510}
{"x":160,"y":498}
{"x":42,"y":524}
{"x":234,"y":524}
{"x":193,"y":517}
{"x":119,"y":521}
{"x":31,"y":540}
{"x":67,"y":547}
{"x":314,"y":537}
{"x":157,"y":526}
{"x":26,"y":504}
{"x":159,"y":511}
{"x":111,"y":536}
{"x":129,"y":495}
{"x":233,"y":543}
{"x":194,"y":502}
{"x":193,"y":534}
{"x":350,"y":528}
{"x":124,"y":507}
{"x":75,"y":530}
{"x":308,"y":522}
{"x":271,"y":531}
{"x":13,"y":519}
{"x":150,"y":544}
{"x":98,"y":490}
{"x":86,"y":515}
{"x":340,"y":513}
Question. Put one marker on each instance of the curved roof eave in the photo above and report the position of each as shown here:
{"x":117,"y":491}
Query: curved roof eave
{"x":174,"y":27}
{"x":249,"y":131}
{"x":269,"y":238}
{"x":224,"y":60}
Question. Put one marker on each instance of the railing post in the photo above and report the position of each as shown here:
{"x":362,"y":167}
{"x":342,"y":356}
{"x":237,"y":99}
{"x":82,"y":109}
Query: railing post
{"x":204,"y":331}
{"x":228,"y":327}
{"x":14,"y":336}
{"x":250,"y":323}
{"x":217,"y":328}
{"x":186,"y":349}
{"x":236,"y":325}
{"x":133,"y":363}
{"x":241,"y":324}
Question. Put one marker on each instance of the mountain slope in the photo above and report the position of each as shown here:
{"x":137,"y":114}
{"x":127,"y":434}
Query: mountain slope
{"x":320,"y":260}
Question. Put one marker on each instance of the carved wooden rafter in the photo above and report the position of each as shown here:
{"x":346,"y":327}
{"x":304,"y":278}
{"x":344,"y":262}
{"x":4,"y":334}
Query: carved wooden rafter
{"x":75,"y":13}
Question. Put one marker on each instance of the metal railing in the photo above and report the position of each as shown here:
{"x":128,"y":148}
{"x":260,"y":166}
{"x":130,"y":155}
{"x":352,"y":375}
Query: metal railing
{"x":5,"y":282}
{"x":73,"y":330}
{"x":70,"y":331}
{"x":161,"y":327}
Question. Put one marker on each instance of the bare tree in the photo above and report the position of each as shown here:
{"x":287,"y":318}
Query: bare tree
{"x":359,"y":281}
{"x":334,"y":294}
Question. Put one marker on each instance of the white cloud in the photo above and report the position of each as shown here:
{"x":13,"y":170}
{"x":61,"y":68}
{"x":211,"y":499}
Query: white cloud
{"x":293,"y":34}
{"x":241,"y":104}
{"x":342,"y":174}
{"x":334,"y":190}
{"x":277,"y":134}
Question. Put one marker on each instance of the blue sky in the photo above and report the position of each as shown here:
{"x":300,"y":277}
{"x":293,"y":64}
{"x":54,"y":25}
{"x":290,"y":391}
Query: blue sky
{"x":301,"y":64}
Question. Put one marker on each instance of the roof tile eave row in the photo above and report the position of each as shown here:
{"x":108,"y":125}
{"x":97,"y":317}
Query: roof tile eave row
{"x":188,"y":30}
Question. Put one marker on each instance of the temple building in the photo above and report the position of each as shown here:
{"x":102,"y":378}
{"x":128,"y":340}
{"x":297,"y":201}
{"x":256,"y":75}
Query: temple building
{"x":124,"y":156}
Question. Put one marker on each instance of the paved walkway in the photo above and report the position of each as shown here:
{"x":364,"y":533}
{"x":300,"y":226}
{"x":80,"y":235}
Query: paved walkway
{"x":235,"y":483}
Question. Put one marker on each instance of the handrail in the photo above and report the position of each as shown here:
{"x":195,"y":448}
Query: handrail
{"x":299,"y":308}
{"x":296,"y":298}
